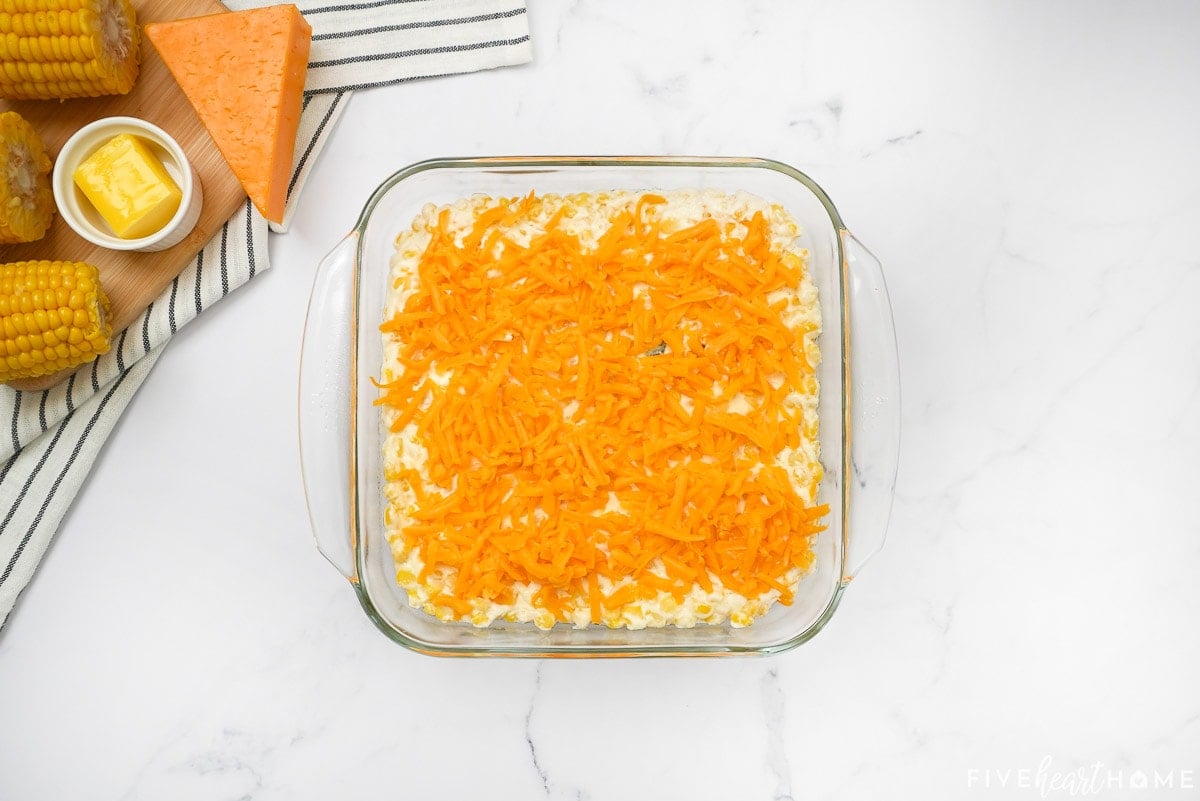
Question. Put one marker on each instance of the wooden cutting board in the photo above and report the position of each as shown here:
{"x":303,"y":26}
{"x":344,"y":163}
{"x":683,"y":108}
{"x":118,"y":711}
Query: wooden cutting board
{"x":133,"y":280}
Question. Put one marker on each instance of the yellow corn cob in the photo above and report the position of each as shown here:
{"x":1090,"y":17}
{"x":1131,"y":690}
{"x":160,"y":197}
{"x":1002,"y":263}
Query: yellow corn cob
{"x":53,"y":316}
{"x":26,"y":200}
{"x":55,"y":49}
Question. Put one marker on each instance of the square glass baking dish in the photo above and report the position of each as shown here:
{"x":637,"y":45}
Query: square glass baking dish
{"x":341,"y":436}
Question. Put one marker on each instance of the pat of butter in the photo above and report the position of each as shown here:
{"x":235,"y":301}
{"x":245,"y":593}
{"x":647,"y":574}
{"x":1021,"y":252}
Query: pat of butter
{"x":129,"y":186}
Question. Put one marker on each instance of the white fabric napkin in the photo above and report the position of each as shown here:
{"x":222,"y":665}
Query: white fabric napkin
{"x":49,"y":439}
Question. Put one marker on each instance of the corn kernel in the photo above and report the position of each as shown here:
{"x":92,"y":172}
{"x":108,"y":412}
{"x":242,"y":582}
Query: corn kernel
{"x":40,"y":339}
{"x":56,"y":49}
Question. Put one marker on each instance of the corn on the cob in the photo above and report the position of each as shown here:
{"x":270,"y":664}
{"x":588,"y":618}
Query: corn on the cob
{"x":55,"y":49}
{"x":26,"y":200}
{"x":53,"y":316}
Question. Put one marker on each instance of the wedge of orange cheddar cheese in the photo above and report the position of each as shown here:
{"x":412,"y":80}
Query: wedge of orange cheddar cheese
{"x":244,"y":72}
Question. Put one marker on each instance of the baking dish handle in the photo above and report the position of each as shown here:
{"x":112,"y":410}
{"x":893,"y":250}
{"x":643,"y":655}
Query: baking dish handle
{"x":324,"y":397}
{"x":874,"y":405}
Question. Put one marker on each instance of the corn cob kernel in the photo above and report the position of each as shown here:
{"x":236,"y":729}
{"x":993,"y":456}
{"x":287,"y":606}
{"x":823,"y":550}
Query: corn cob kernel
{"x":56,"y":49}
{"x":53,"y":317}
{"x":26,"y":200}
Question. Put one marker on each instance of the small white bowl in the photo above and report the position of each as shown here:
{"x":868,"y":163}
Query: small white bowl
{"x":83,"y":218}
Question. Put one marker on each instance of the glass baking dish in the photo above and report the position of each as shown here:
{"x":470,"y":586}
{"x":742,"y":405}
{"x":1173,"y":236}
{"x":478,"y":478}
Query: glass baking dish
{"x":341,"y":436}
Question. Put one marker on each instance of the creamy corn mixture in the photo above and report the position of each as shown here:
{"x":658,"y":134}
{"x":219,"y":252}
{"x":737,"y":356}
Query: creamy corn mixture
{"x":667,"y":590}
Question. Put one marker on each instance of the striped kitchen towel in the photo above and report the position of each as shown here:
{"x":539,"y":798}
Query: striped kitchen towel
{"x":380,"y":42}
{"x":52,"y":437}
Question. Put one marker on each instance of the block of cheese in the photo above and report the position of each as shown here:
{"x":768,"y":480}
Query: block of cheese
{"x":244,"y":72}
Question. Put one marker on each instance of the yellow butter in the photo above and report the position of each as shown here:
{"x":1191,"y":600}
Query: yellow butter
{"x":129,"y":186}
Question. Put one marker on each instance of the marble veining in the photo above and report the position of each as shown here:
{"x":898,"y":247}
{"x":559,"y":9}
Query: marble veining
{"x":533,"y":753}
{"x":774,"y":705}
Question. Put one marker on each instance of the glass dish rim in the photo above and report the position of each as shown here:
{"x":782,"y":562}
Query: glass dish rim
{"x":547,"y":163}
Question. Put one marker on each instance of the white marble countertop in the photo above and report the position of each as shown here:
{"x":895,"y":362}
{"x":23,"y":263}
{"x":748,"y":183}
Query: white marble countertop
{"x":1029,"y":174}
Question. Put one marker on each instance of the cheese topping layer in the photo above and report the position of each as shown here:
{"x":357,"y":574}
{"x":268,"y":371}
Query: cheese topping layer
{"x":601,"y":409}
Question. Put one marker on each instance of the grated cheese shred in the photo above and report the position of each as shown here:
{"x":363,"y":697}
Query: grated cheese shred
{"x":601,"y":409}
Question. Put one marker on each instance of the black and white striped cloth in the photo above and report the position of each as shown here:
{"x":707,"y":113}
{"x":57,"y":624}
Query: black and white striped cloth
{"x":360,"y":45}
{"x":49,"y":440}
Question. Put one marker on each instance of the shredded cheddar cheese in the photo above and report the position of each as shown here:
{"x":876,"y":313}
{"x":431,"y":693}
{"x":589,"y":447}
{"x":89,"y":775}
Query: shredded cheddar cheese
{"x":601,"y":409}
